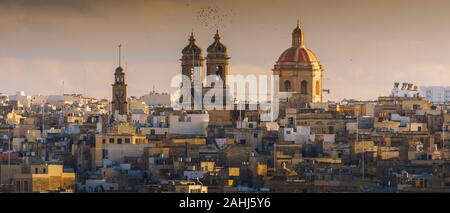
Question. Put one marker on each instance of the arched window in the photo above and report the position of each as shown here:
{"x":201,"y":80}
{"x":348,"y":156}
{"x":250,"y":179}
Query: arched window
{"x":304,"y":87}
{"x":318,"y":88}
{"x":287,"y":86}
{"x":219,"y":70}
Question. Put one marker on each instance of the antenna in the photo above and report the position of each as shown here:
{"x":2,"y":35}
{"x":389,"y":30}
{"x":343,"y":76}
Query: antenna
{"x":63,"y":106}
{"x":84,"y":83}
{"x":193,"y":66}
{"x":120,"y":52}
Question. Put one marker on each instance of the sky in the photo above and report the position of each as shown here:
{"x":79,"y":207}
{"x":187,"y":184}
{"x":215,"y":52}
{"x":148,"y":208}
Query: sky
{"x":363,"y":46}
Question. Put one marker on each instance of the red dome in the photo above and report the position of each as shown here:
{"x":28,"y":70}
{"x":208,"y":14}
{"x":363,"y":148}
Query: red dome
{"x":298,"y":54}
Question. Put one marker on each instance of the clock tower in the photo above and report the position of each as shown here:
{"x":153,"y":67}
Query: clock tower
{"x":119,"y":91}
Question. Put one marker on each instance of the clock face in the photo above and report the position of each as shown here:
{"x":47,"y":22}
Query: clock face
{"x":119,"y":93}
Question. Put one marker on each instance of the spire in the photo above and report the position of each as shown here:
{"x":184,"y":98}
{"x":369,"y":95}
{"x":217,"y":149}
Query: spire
{"x":119,"y":69}
{"x":120,"y":52}
{"x":298,"y":23}
{"x":217,"y":36}
{"x":192,"y":38}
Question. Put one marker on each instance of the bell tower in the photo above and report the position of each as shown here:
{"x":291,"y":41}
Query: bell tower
{"x":217,"y":62}
{"x":191,"y":58}
{"x":119,"y":90}
{"x":191,"y":66}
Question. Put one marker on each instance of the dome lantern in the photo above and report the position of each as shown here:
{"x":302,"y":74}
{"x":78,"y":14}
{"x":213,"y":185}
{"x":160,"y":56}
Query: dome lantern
{"x":297,"y":36}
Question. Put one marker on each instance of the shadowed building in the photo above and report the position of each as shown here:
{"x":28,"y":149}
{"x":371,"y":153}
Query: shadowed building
{"x":217,"y":62}
{"x":191,"y":57}
{"x":119,"y":92}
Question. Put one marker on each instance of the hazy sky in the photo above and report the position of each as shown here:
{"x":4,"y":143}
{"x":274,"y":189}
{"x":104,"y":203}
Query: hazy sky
{"x":364,"y":46}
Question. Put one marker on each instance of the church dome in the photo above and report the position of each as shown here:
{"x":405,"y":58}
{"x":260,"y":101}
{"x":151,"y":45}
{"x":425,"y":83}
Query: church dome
{"x":217,"y":46}
{"x":119,"y":70}
{"x":192,"y":48}
{"x":297,"y":53}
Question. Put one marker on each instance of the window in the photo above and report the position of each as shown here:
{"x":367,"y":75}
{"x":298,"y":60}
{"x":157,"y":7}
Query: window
{"x":104,"y":154}
{"x":44,"y":170}
{"x":290,"y":121}
{"x":330,"y":130}
{"x":317,"y":88}
{"x":287,"y":86}
{"x":255,"y":135}
{"x":152,"y":132}
{"x":304,"y":87}
{"x":103,"y":141}
{"x":111,"y":140}
{"x":219,"y":70}
{"x":127,"y":140}
{"x":35,"y":170}
{"x":119,"y":140}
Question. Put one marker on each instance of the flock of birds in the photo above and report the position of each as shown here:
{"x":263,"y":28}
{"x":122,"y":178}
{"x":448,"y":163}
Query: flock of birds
{"x":213,"y":18}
